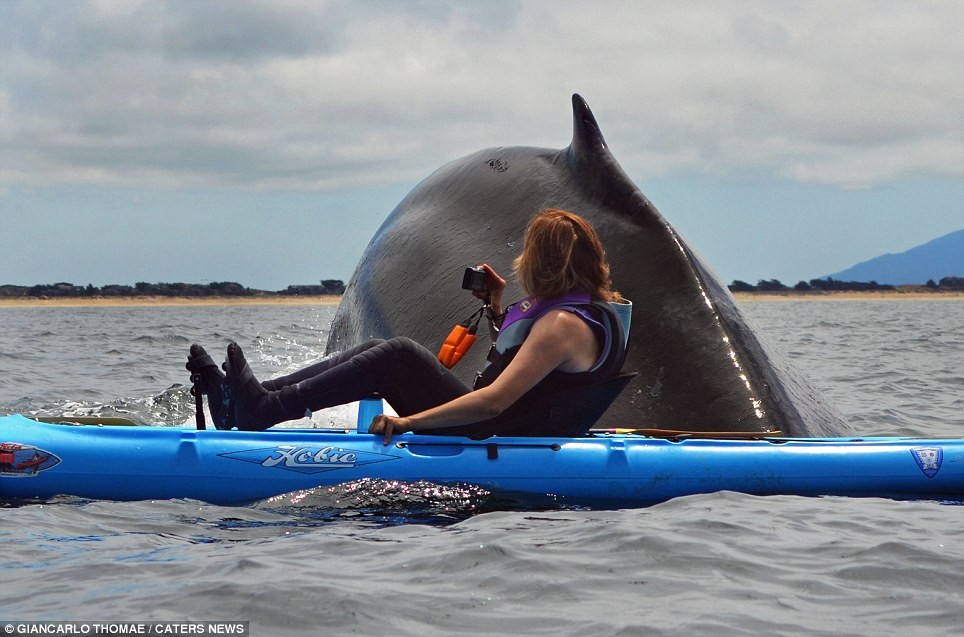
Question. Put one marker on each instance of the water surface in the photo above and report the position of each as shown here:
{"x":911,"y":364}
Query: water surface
{"x":418,"y":559}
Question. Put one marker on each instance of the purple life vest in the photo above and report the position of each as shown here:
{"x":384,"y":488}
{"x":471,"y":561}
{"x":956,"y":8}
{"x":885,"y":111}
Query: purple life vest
{"x":518,"y":322}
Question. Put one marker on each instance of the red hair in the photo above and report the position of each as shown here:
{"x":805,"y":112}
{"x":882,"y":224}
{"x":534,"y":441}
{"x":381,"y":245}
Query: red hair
{"x":562,"y":254}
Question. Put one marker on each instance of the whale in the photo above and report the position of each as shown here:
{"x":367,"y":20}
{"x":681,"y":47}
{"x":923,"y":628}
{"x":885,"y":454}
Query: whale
{"x":699,"y":365}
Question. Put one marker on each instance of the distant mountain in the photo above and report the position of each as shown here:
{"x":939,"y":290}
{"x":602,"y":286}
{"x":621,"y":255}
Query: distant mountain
{"x":934,"y":260}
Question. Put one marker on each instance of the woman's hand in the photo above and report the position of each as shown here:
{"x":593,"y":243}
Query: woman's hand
{"x":494,"y":287}
{"x":388,"y":425}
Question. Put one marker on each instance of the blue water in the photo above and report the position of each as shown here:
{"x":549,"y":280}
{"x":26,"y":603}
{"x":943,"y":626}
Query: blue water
{"x":417,"y":559}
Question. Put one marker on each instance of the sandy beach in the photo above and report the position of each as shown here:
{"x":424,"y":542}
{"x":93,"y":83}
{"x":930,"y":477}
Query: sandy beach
{"x":895,"y":295}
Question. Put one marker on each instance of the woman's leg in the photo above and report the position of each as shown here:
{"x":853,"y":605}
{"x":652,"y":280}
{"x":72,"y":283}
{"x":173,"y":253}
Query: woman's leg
{"x":315,"y":369}
{"x":400,"y":370}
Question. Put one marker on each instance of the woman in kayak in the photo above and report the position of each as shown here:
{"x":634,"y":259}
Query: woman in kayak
{"x":561,"y":336}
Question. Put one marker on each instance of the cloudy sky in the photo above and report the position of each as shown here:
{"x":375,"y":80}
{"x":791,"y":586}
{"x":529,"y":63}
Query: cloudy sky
{"x":264,"y":142}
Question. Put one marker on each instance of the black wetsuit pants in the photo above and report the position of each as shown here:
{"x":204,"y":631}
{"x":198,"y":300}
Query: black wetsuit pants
{"x":407,"y":375}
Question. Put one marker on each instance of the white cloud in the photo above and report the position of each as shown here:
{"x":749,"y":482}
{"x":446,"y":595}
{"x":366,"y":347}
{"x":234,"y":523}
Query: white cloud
{"x":308,"y":96}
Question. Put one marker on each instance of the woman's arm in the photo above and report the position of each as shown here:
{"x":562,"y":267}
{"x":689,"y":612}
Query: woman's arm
{"x":558,"y":340}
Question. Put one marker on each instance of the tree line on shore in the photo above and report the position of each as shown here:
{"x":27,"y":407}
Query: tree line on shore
{"x":832,"y":285}
{"x":336,"y":287}
{"x":214,"y":289}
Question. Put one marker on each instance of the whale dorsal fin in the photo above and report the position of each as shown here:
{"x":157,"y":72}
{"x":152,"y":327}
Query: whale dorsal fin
{"x":595,"y":167}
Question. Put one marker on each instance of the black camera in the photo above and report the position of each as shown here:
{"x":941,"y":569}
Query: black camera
{"x":474,"y":279}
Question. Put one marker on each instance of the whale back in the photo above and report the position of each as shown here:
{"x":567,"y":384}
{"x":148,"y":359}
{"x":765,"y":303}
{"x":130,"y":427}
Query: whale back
{"x":700,"y":366}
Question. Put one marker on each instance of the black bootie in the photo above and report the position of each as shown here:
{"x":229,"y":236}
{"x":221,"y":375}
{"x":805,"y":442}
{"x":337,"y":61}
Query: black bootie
{"x":202,"y":366}
{"x":256,"y":408}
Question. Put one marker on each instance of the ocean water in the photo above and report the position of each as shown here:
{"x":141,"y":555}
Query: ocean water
{"x":419,"y":559}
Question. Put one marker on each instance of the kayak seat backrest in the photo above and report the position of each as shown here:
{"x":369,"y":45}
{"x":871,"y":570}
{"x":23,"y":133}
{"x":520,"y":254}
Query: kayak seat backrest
{"x":566,"y":413}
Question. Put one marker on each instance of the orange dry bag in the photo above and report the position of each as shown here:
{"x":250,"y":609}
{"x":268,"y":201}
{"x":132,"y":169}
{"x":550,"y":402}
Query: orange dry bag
{"x":459,"y":340}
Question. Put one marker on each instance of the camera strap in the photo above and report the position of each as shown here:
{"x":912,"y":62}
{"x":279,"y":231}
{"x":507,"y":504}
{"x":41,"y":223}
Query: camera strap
{"x":460,"y":339}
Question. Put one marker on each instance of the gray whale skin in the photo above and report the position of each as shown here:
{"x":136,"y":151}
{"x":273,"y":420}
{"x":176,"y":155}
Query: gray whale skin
{"x":700,"y":367}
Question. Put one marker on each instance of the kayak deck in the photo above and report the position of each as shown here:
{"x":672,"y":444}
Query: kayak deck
{"x":41,"y":460}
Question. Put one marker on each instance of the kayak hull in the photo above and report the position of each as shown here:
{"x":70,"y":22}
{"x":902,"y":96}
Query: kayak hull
{"x":41,"y":460}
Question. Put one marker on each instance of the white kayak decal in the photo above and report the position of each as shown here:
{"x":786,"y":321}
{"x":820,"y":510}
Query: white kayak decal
{"x":929,"y":459}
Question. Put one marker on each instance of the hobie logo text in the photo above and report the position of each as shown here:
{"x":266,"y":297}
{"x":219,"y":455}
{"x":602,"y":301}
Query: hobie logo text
{"x":295,"y":457}
{"x":309,"y":458}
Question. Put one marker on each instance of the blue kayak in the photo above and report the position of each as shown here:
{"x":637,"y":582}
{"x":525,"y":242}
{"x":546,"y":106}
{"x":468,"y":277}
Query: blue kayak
{"x":39,"y":460}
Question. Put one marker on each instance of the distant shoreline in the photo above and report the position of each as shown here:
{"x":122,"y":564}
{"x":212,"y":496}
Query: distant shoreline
{"x":850,"y":295}
{"x":334,"y":299}
{"x":162,"y":301}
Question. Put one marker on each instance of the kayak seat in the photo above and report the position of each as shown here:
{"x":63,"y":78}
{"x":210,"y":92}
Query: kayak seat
{"x":567,"y":413}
